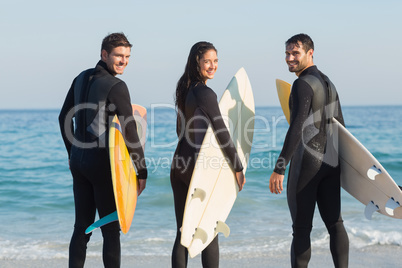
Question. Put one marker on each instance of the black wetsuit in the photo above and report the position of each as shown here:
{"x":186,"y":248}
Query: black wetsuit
{"x":201,"y":108}
{"x":93,"y":99}
{"x":314,"y":175}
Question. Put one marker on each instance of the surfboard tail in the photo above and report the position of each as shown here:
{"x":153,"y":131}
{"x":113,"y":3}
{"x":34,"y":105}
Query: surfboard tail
{"x":199,"y":193}
{"x":373,"y":172}
{"x":200,"y":238}
{"x":222,"y":227}
{"x":391,"y":205}
{"x":200,"y":234}
{"x":370,"y":209}
{"x":99,"y":223}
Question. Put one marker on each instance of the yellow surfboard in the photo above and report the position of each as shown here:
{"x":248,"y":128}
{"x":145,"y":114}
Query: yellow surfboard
{"x":123,"y":173}
{"x":283,"y":88}
{"x":124,"y":178}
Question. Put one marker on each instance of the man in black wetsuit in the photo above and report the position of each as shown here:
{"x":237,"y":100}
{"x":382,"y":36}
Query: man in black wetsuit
{"x":94,"y":98}
{"x":310,"y":144}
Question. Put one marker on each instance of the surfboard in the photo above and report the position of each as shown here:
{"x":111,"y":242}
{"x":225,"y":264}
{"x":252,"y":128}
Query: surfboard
{"x":123,"y":171}
{"x":362,"y":175}
{"x":213,"y":188}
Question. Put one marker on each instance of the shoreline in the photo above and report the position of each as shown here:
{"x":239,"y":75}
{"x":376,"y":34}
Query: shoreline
{"x":369,"y":256}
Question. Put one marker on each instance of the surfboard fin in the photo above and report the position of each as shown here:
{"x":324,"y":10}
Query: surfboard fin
{"x":391,"y":205}
{"x":105,"y":220}
{"x":370,"y":209}
{"x":222,"y":227}
{"x":199,"y":193}
{"x":372,"y":172}
{"x":200,"y":234}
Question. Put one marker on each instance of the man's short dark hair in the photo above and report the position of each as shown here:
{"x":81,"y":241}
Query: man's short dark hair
{"x":115,"y":40}
{"x":304,"y":39}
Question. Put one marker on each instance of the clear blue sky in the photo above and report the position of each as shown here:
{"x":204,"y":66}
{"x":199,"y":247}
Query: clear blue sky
{"x":46,"y":43}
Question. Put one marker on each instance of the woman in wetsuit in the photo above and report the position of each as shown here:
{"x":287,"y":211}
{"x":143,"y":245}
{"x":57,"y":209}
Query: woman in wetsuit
{"x":197,"y":106}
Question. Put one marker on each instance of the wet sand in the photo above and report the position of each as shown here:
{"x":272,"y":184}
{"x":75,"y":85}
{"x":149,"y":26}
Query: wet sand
{"x":371,"y":256}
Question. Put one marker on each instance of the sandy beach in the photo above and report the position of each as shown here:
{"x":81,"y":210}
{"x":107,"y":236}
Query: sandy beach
{"x":372,"y":256}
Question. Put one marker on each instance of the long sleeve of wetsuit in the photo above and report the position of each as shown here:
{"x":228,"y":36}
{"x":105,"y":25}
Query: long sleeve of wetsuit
{"x":301,"y":99}
{"x":120,"y":98}
{"x":66,"y":123}
{"x":339,"y":115}
{"x":207,"y":101}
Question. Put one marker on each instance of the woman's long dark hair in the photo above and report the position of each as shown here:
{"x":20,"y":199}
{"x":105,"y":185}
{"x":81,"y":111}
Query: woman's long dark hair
{"x":191,"y":73}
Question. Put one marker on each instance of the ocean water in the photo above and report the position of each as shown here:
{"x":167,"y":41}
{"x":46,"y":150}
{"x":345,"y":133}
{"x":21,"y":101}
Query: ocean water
{"x":36,"y":199}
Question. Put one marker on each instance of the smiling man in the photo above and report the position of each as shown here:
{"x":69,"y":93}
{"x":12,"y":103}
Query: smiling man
{"x":314,"y":174}
{"x":299,"y":56}
{"x":116,"y":59}
{"x":94,"y":98}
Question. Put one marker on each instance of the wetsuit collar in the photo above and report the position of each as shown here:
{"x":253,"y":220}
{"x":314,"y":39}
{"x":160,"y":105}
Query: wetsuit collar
{"x":309,"y":70}
{"x":101,"y":65}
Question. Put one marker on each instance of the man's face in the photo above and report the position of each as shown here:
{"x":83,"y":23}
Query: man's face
{"x":298,"y":59}
{"x":117,"y":59}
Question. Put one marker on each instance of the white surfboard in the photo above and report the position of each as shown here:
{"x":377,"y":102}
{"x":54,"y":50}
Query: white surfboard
{"x":366,"y":179}
{"x":213,"y":188}
{"x":362,"y":175}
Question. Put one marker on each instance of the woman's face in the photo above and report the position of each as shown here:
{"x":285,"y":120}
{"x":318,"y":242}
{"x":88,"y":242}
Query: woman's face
{"x":208,"y":65}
